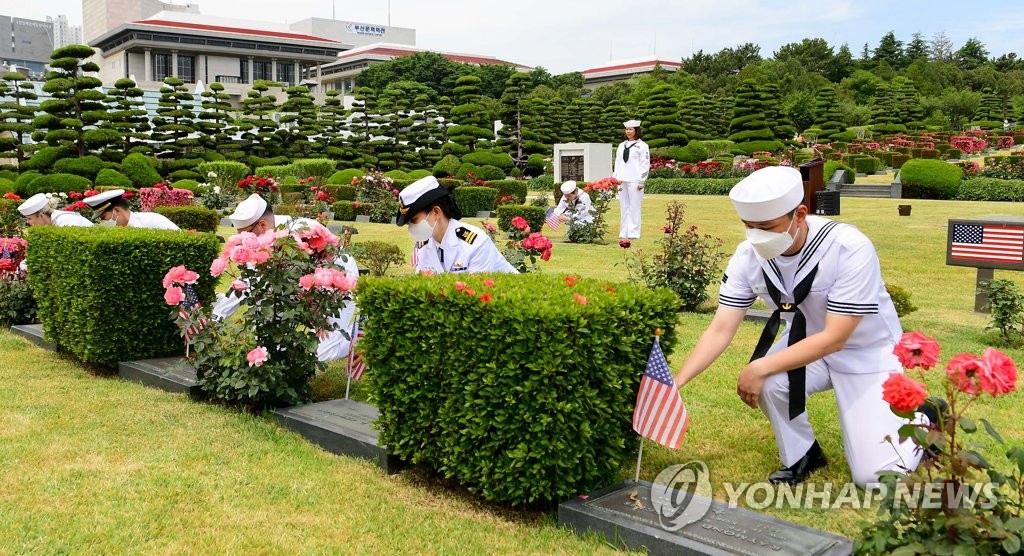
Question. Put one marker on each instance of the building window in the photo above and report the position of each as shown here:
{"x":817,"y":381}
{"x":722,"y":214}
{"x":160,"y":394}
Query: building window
{"x":243,"y":71}
{"x":161,"y":66}
{"x":286,"y":73}
{"x":187,"y":68}
{"x":261,"y":70}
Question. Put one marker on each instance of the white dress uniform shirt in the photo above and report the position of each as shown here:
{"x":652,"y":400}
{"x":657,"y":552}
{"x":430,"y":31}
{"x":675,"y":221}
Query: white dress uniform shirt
{"x":632,"y":173}
{"x":63,"y":218}
{"x":150,"y":220}
{"x":580,"y":210}
{"x":848,"y":282}
{"x":464,"y":248}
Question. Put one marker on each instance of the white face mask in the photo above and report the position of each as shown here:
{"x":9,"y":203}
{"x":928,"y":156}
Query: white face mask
{"x":770,"y":244}
{"x":422,"y":230}
{"x":108,"y":223}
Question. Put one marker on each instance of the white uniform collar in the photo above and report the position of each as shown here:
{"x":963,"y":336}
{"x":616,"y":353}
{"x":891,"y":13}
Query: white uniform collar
{"x":449,"y":241}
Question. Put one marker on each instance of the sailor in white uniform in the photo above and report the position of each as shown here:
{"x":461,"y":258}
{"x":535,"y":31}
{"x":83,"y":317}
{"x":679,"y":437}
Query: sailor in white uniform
{"x":823,"y":280}
{"x":256,"y":216}
{"x":575,"y":204}
{"x":39,"y":210}
{"x":113,"y":210}
{"x":445,"y":243}
{"x":632,"y":164}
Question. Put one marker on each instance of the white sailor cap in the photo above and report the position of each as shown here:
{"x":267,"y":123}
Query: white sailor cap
{"x":101,"y":202}
{"x":418,"y":196}
{"x":631,"y":123}
{"x":248,"y":211}
{"x":768,"y":193}
{"x":33,"y":204}
{"x":568,"y":187}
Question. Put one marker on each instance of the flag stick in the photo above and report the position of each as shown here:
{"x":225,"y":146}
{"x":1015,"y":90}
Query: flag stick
{"x":639,"y":457}
{"x":351,"y":347}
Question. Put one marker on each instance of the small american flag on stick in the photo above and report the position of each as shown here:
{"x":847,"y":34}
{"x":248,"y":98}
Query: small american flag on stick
{"x":552,"y":220}
{"x":191,"y":303}
{"x":660,"y":414}
{"x":355,"y":366}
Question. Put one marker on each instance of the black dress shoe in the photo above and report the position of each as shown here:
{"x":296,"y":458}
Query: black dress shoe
{"x":797,"y":473}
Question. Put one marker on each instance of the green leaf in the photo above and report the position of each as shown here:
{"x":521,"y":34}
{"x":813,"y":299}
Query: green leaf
{"x":1011,"y":544}
{"x":1015,"y":524}
{"x":992,"y":431}
{"x":1016,"y":455}
{"x":905,"y":551}
{"x":967,"y":425}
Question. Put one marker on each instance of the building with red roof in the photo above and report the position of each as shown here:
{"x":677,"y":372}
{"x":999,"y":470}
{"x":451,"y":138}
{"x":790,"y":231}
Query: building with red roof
{"x":622,"y":70}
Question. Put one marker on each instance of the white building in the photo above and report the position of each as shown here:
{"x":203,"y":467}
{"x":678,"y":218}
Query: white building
{"x":64,"y":33}
{"x":622,"y":70}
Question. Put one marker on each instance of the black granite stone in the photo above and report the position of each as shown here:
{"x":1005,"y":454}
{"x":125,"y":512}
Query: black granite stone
{"x":342,"y":427}
{"x":173,"y":374}
{"x":625,"y":516}
{"x":34,"y":334}
{"x":757,"y":315}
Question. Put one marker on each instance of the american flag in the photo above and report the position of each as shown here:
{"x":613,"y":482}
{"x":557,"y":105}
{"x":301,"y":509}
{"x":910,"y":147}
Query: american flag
{"x":191,"y":302}
{"x":355,"y":368}
{"x":415,"y":258}
{"x":660,"y":414}
{"x":979,"y":242}
{"x":552,"y":220}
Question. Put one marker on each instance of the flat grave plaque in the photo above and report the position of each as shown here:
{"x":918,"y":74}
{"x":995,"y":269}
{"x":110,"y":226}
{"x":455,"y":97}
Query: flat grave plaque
{"x":626,"y":517}
{"x":173,"y":374}
{"x":34,"y":334}
{"x":341,"y":427}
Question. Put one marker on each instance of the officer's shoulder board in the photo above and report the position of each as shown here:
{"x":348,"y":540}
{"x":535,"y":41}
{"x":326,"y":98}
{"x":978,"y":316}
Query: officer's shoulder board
{"x":419,"y":244}
{"x":465,"y":234}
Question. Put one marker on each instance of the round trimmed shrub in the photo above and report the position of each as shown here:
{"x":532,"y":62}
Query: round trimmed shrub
{"x":45,"y":158}
{"x":24,"y":180}
{"x":534,"y":216}
{"x":694,"y":151}
{"x":227,"y":171}
{"x":200,"y":219}
{"x":344,"y":211}
{"x":466,"y":169}
{"x":500,"y":160}
{"x":319,"y":168}
{"x":419,"y":174}
{"x":6,"y":186}
{"x":108,"y":176}
{"x":58,"y":183}
{"x":345,"y":177}
{"x":447,"y":166}
{"x":85,"y":166}
{"x":184,"y":175}
{"x":396,"y":175}
{"x":191,"y":185}
{"x":535,"y":165}
{"x":930,"y":179}
{"x":491,"y":173}
{"x":140,"y":170}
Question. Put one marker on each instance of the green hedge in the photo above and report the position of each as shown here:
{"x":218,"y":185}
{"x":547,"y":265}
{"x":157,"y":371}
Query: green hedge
{"x":501,"y":161}
{"x":523,"y":399}
{"x":112,"y":177}
{"x":472,"y":200}
{"x":191,"y":185}
{"x":58,"y":183}
{"x":99,"y":289}
{"x":344,"y":211}
{"x":140,"y":170}
{"x":447,"y":183}
{"x":225,"y":170}
{"x":419,"y":174}
{"x":278,"y":172}
{"x":691,"y":186}
{"x":6,"y":186}
{"x":344,"y":177}
{"x":868,"y":165}
{"x":930,"y":179}
{"x":320,"y":168}
{"x":515,"y":188}
{"x":533,"y":215}
{"x":200,"y":219}
{"x":179,"y":175}
{"x":832,"y":166}
{"x":46,"y":157}
{"x":447,"y":166}
{"x":899,"y":159}
{"x":85,"y":166}
{"x":991,"y":189}
{"x":543,"y":183}
{"x":954,"y":154}
{"x":341,"y":192}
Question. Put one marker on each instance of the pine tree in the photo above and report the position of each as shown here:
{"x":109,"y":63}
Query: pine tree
{"x":693,"y":115}
{"x":428,"y":131}
{"x":471,"y":124}
{"x":749,"y":125}
{"x":76,"y":104}
{"x":128,"y":116}
{"x":827,"y":116}
{"x":778,"y":121}
{"x":173,"y":123}
{"x":661,"y":118}
{"x":363,"y":126}
{"x":512,"y":115}
{"x":990,"y":112}
{"x":215,"y":122}
{"x":257,"y":125}
{"x":444,"y":114}
{"x":333,"y":117}
{"x":612,"y":117}
{"x":884,"y":110}
{"x":299,"y":117}
{"x":539,"y":126}
{"x":592,"y":121}
{"x":16,"y":116}
{"x":717,"y":115}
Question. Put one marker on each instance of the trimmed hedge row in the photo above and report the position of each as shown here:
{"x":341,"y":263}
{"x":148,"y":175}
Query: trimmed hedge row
{"x":514,"y":188}
{"x":930,"y":179}
{"x":472,"y":199}
{"x":690,"y":186}
{"x":99,"y":289}
{"x":200,"y":219}
{"x":499,"y":420}
{"x":991,"y":189}
{"x":533,"y":215}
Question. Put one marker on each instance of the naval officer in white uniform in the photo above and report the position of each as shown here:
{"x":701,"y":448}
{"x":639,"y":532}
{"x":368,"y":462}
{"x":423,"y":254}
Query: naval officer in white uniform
{"x":113,"y":210}
{"x":446,"y":244}
{"x":632,"y":165}
{"x":255,"y":215}
{"x":39,"y":210}
{"x":824,"y":282}
{"x":575,"y":204}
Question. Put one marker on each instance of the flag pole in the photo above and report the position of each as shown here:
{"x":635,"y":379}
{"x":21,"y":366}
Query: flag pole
{"x":639,"y":457}
{"x":351,"y":353}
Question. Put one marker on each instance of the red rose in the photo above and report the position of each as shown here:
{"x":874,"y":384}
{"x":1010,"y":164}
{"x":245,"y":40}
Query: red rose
{"x":903,"y":393}
{"x":546,"y":255}
{"x":486,"y":298}
{"x":964,"y":370}
{"x":580,"y":299}
{"x":917,"y":350}
{"x":1001,"y":377}
{"x":570,"y":280}
{"x":624,"y":243}
{"x":520,"y":223}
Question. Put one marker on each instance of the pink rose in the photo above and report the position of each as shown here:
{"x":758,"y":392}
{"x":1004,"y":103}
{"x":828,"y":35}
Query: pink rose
{"x":546,"y":255}
{"x":173,"y":275}
{"x":1001,"y":377}
{"x":490,"y":227}
{"x":189,"y":277}
{"x":344,"y":282}
{"x":459,"y":286}
{"x":250,"y":241}
{"x":267,"y":239}
{"x":917,"y":350}
{"x":964,"y":370}
{"x":520,"y":223}
{"x":174,"y":295}
{"x":903,"y":393}
{"x":239,"y":285}
{"x":488,"y":283}
{"x":241,"y":255}
{"x":260,"y":257}
{"x":580,"y":299}
{"x":307,"y":282}
{"x":625,"y":243}
{"x":257,"y":357}
{"x":218,"y":266}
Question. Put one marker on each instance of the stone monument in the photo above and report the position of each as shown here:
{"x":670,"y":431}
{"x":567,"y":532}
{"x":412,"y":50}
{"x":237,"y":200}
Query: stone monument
{"x":584,"y":162}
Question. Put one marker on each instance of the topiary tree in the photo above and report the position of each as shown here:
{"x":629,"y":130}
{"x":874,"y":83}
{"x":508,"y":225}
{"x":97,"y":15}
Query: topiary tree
{"x":660,"y":113}
{"x":140,"y":170}
{"x":612,"y":116}
{"x":884,"y":110}
{"x":426,"y":131}
{"x":76,"y":103}
{"x":827,"y":116}
{"x":692,"y":115}
{"x":718,"y":115}
{"x":990,"y":112}
{"x":216,"y":123}
{"x":128,"y":117}
{"x":778,"y":120}
{"x":332,"y":118}
{"x":363,"y":126}
{"x":513,"y":113}
{"x":908,"y":102}
{"x":257,"y":125}
{"x":300,"y":121}
{"x":16,"y":116}
{"x":173,"y":123}
{"x":749,"y":126}
{"x":471,"y":125}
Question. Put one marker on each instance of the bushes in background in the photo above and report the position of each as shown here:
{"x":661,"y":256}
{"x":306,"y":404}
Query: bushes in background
{"x":533,"y":215}
{"x":140,"y":170}
{"x":472,"y":200}
{"x":200,"y":219}
{"x":930,"y":179}
{"x":991,"y":189}
{"x":58,"y":183}
{"x":493,"y":413}
{"x":690,"y":186}
{"x":513,"y":188}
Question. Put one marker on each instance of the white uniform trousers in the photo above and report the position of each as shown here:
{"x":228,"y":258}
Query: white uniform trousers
{"x":630,"y":200}
{"x":864,"y":417}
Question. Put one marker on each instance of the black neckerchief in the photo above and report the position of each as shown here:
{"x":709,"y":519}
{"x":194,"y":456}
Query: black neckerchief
{"x":625,"y":150}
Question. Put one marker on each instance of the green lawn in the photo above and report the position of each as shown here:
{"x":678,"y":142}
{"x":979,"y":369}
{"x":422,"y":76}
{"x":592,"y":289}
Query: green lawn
{"x":94,"y":464}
